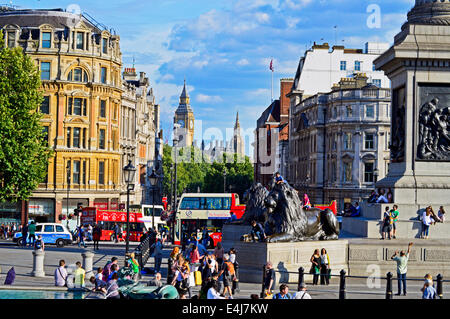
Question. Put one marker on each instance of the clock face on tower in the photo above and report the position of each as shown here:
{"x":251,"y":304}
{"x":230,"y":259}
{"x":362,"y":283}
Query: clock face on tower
{"x":181,"y":122}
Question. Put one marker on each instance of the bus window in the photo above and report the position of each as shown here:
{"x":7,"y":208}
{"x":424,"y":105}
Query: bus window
{"x":227,"y":203}
{"x":190,"y":203}
{"x":214,"y":203}
{"x":148,"y":212}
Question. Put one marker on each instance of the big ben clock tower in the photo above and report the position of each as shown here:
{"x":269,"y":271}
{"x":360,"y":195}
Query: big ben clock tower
{"x":184,"y":117}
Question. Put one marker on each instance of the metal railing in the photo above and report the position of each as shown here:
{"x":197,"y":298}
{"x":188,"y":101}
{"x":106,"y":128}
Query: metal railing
{"x":142,"y":253}
{"x":343,"y":277}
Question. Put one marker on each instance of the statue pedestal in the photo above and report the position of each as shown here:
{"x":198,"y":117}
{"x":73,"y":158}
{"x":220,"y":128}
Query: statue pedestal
{"x":284,"y":256}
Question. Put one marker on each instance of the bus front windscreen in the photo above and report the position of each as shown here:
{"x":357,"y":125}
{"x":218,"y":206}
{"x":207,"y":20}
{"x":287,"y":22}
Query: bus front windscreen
{"x":148,"y":212}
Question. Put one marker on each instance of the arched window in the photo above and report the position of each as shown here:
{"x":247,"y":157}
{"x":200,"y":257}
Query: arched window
{"x":78,"y":75}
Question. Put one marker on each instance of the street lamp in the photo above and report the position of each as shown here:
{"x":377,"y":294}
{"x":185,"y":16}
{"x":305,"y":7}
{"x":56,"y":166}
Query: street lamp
{"x":375,"y":175}
{"x":128,"y":176}
{"x":153,"y":181}
{"x":224,"y":180}
{"x":68,"y":190}
{"x":175,"y":197}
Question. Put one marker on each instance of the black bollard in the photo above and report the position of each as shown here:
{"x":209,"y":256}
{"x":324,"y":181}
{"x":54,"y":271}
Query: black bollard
{"x":263,"y":282}
{"x":342,"y":285}
{"x":439,"y":287}
{"x":301,"y":278}
{"x":389,"y":294}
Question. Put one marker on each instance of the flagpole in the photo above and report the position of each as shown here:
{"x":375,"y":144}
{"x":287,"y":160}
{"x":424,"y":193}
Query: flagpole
{"x":271,"y":64}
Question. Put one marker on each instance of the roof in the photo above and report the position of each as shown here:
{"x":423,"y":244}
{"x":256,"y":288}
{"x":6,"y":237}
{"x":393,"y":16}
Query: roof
{"x":270,"y":115}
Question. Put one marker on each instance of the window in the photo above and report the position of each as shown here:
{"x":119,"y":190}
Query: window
{"x":84,"y":172}
{"x":76,"y":137}
{"x":101,"y":173}
{"x":377,"y":82}
{"x":190,"y":203}
{"x":343,"y":65}
{"x":76,"y":172}
{"x":68,"y":170}
{"x":105,"y":45}
{"x":103,"y":75}
{"x":39,"y":228}
{"x":78,"y":75}
{"x":370,"y":111}
{"x":101,"y":140}
{"x":348,"y":172}
{"x":45,"y":106}
{"x":85,"y":138}
{"x":49,"y":229}
{"x":368,"y":173}
{"x":45,"y":70}
{"x":68,"y":137}
{"x":77,"y":106}
{"x":214,"y":203}
{"x":369,"y":142}
{"x":349,"y":111}
{"x":11,"y":39}
{"x":45,"y":130}
{"x":103,"y":108}
{"x":80,"y":41}
{"x":357,"y":65}
{"x":348,"y":143}
{"x":334,"y":112}
{"x":46,"y":40}
{"x":59,"y":229}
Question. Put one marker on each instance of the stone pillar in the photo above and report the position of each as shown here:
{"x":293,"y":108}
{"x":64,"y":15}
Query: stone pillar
{"x":38,"y":264}
{"x":88,"y":257}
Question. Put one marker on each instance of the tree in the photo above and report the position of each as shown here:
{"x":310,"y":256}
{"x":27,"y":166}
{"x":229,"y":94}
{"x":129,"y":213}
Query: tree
{"x":24,"y":151}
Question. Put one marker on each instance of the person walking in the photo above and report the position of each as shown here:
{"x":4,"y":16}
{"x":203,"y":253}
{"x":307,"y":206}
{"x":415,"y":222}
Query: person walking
{"x":157,"y":254}
{"x":170,"y":264}
{"x":61,"y":274}
{"x":402,"y":268}
{"x":269,"y":278}
{"x":315,"y":266}
{"x":236,"y":271}
{"x":116,"y":233}
{"x":24,"y":235}
{"x":218,"y":253}
{"x":227,"y":270}
{"x":324,"y":267}
{"x":427,"y":221}
{"x":394,"y":216}
{"x":32,"y":233}
{"x":81,"y":236}
{"x":284,"y":293}
{"x":387,"y":224}
{"x":96,"y":235}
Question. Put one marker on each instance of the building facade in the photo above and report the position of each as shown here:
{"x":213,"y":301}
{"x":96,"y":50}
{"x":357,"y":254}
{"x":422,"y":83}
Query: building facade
{"x":80,"y":63}
{"x":272,"y":137}
{"x":341,"y":142}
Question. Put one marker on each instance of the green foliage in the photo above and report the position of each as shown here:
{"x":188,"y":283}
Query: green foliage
{"x":196,"y":172}
{"x":24,"y":152}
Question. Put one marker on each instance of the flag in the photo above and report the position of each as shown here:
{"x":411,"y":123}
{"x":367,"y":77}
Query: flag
{"x":271,"y":65}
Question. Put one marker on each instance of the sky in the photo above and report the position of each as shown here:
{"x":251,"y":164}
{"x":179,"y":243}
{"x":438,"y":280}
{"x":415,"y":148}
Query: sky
{"x":223,"y":48}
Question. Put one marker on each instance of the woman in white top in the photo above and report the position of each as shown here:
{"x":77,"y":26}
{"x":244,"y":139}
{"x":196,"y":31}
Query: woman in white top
{"x":441,"y":214}
{"x":427,"y":220}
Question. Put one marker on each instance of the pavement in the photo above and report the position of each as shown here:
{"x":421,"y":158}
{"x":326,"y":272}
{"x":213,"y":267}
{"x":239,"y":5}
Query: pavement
{"x":21,"y":259}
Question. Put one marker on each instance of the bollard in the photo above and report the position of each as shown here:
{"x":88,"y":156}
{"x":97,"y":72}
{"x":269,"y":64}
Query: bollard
{"x":342,"y":285}
{"x":389,"y":294}
{"x":88,"y":257}
{"x":263,"y":282}
{"x":38,"y":264}
{"x":301,"y":278}
{"x":439,"y":286}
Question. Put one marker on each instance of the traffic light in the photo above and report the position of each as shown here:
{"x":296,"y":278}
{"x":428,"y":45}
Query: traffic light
{"x":79,"y":210}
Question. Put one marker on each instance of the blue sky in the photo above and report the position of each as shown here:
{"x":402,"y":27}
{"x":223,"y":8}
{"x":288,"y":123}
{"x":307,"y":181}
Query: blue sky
{"x":224,"y":47}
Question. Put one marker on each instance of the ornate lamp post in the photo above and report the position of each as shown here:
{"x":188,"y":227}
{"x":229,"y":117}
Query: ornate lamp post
{"x":128,"y":175}
{"x":153,"y":181}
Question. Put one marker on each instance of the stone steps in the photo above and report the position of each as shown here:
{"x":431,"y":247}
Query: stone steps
{"x":406,"y":229}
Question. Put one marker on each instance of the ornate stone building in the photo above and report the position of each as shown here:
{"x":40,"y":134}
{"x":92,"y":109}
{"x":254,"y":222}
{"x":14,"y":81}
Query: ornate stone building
{"x":139,"y":131}
{"x":80,"y":64}
{"x":341,"y":141}
{"x":184,"y":117}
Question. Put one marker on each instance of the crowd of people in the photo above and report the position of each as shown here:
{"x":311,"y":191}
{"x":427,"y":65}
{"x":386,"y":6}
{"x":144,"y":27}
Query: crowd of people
{"x":8,"y":230}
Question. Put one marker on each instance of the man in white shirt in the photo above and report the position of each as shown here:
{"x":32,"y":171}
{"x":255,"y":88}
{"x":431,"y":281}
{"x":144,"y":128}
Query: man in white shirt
{"x":302,"y":294}
{"x":212,"y":292}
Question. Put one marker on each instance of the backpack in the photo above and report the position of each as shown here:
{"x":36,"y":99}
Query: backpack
{"x":230,"y":268}
{"x":38,"y":244}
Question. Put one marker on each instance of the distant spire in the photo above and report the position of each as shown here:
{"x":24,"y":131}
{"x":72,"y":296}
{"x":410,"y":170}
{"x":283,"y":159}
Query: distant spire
{"x":237,"y":125}
{"x":184,"y":98}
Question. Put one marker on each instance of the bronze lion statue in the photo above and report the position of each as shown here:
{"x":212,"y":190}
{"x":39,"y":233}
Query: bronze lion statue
{"x":255,"y":208}
{"x":289,"y":222}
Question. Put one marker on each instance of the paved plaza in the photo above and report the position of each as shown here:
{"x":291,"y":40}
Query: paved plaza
{"x":21,"y":259}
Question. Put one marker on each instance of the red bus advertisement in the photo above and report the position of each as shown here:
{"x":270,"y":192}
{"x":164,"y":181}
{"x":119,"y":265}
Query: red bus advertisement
{"x":107,"y":219}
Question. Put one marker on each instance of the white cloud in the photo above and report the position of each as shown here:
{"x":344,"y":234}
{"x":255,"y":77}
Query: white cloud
{"x":243,"y":62}
{"x":203,"y":98}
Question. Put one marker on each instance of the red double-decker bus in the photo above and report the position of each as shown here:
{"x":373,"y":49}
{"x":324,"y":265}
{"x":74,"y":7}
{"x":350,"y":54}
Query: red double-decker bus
{"x":107,"y":219}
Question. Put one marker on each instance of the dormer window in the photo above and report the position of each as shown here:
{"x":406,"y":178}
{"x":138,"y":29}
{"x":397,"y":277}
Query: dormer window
{"x":105,"y":45}
{"x":80,"y":41}
{"x":46,"y":40}
{"x":78,"y":75}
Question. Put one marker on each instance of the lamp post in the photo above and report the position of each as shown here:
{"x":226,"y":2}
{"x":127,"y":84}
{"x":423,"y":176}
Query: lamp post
{"x":224,"y":180}
{"x":153,"y":181}
{"x":175,"y":197}
{"x":128,"y":174}
{"x":375,"y":176}
{"x":68,"y":190}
